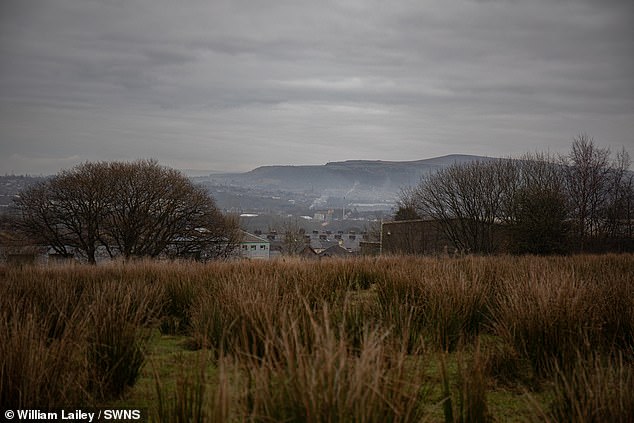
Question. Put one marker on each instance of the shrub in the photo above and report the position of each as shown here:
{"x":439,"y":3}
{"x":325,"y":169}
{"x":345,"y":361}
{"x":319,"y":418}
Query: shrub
{"x":444,"y":303}
{"x":594,"y":390}
{"x":326,"y":381}
{"x":119,"y":319}
{"x":555,"y":311}
{"x":38,"y":371}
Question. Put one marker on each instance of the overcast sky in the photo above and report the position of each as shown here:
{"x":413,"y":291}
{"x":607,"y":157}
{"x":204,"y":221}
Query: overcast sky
{"x":231,"y":85}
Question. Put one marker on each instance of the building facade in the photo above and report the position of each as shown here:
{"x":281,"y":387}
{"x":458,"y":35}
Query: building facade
{"x":414,"y":237}
{"x":254,"y":247}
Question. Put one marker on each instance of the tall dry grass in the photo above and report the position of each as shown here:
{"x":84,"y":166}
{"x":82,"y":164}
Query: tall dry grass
{"x":554,"y":310}
{"x":329,"y":340}
{"x":595,"y":390}
{"x":196,"y":397}
{"x":71,"y":335}
{"x":465,"y":399}
{"x":439,"y":303}
{"x":241,"y":310}
{"x":325,"y":380}
{"x":38,"y":370}
{"x":119,"y":322}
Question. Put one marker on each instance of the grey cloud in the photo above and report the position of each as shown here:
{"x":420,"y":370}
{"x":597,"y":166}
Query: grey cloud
{"x":241,"y":83}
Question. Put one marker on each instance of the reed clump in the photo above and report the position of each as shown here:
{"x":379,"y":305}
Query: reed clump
{"x":330,"y":340}
{"x":438,"y":303}
{"x":72,"y":335}
{"x":596,"y":389}
{"x":326,"y":380}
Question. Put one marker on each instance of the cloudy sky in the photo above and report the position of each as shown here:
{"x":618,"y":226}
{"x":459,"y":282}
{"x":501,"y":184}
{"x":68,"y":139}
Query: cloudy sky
{"x":231,"y":85}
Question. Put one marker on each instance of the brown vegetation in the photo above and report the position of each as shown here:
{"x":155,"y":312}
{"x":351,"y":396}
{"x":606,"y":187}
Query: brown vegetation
{"x":374,"y":339}
{"x":129,"y":209}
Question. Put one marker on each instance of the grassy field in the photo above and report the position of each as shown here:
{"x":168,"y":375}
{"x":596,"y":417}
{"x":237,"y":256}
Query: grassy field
{"x":366,"y":340}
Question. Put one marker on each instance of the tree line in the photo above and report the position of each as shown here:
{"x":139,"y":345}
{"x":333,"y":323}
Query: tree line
{"x":127,"y":209}
{"x":539,"y":203}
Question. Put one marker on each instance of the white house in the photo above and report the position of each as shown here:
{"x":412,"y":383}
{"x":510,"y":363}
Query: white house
{"x":255,"y":248}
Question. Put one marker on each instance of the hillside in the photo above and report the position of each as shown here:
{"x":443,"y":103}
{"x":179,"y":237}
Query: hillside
{"x":365,"y":174}
{"x":361,"y":184}
{"x":365,"y":183}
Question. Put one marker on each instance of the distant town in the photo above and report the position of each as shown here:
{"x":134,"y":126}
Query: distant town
{"x":365,"y":207}
{"x":338,"y":198}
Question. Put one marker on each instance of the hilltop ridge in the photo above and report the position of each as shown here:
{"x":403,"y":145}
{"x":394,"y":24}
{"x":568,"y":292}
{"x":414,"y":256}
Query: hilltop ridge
{"x":354,"y":183}
{"x":302,"y":189}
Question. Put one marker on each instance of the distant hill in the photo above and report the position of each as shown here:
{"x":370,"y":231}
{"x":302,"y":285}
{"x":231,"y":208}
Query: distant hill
{"x":364,"y":184}
{"x":353,"y":187}
{"x":358,"y":174}
{"x":357,"y":183}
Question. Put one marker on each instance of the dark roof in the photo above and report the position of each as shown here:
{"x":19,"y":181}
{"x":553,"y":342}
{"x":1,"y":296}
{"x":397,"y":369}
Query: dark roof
{"x":334,"y":251}
{"x":307,"y":251}
{"x":322,"y":244}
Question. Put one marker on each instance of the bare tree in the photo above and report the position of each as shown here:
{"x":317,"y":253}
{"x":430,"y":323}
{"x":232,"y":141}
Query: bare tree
{"x":537,"y":199}
{"x":406,"y":204}
{"x":467,"y":200}
{"x":67,"y":212}
{"x":540,"y":225}
{"x":137,"y":209}
{"x":153,"y":208}
{"x":617,"y":210}
{"x":293,"y":239}
{"x":624,"y":208}
{"x":587,"y":173}
{"x":373,"y":230}
{"x":538,"y":211}
{"x":209,"y":236}
{"x":534,"y":172}
{"x":598,"y":188}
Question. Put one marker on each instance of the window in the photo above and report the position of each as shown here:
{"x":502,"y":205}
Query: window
{"x":262,"y":247}
{"x":244,"y":247}
{"x":253,"y":247}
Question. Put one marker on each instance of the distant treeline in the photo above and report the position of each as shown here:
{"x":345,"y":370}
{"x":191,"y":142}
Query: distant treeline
{"x":583,"y":201}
